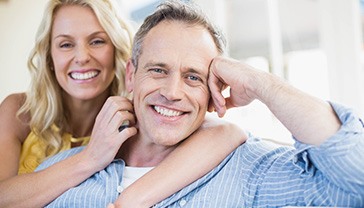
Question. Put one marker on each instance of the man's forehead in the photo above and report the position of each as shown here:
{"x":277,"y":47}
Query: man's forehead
{"x":178,"y":32}
{"x":174,"y":43}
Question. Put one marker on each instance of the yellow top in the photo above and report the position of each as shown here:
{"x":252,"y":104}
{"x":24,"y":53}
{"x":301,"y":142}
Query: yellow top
{"x":33,"y":150}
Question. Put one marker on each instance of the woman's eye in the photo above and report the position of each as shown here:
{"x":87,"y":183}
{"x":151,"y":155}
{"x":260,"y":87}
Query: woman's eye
{"x":97,"y":42}
{"x":65,"y":45}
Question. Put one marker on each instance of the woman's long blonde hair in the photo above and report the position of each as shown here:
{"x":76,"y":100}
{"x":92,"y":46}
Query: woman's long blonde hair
{"x":44,"y":99}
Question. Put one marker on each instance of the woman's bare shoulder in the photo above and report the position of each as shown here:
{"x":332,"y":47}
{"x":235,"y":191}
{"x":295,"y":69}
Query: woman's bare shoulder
{"x":10,"y":123}
{"x":12,"y":103}
{"x":14,"y":98}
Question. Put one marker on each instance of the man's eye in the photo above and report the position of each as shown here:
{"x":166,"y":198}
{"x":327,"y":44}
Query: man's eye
{"x":194,"y":78}
{"x":157,"y":70}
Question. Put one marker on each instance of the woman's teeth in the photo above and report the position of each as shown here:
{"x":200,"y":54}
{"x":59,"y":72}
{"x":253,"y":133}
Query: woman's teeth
{"x":84,"y":76}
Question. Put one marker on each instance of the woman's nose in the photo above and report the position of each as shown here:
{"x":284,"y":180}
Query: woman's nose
{"x":82,"y":55}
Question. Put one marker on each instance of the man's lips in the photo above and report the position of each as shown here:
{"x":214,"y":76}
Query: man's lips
{"x":167,"y":112}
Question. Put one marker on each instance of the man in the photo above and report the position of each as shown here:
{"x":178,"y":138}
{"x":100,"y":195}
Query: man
{"x":169,"y":78}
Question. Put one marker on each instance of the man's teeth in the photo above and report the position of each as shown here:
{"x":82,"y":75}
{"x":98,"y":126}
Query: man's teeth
{"x":167,"y":112}
{"x":84,"y":76}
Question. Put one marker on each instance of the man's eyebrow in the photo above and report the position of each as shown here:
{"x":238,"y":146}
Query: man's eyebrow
{"x":154,"y":64}
{"x":164,"y":65}
{"x":196,"y":71}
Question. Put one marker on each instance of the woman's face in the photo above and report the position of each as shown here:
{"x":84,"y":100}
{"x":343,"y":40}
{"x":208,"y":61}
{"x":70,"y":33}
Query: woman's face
{"x":82,"y":53}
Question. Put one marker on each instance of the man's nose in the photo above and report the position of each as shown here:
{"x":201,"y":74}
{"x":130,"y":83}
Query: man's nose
{"x":172,"y":89}
{"x":82,"y":55}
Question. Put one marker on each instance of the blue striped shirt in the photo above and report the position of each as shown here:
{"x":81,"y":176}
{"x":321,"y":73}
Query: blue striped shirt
{"x":257,"y":174}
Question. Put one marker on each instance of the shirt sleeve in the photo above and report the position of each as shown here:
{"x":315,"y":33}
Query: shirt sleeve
{"x":340,"y":158}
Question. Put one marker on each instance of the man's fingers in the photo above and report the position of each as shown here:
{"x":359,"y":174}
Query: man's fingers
{"x":217,"y":101}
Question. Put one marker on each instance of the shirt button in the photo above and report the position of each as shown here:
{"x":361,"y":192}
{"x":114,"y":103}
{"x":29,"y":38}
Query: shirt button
{"x":119,"y":189}
{"x":182,"y":203}
{"x":295,"y":159}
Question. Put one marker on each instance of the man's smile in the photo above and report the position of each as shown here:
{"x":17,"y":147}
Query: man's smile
{"x":167,"y":112}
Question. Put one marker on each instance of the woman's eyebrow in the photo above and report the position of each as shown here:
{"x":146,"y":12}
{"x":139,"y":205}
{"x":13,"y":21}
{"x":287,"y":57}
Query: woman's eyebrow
{"x":70,"y":36}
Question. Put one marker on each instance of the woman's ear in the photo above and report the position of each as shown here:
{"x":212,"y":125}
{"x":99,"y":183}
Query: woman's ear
{"x":129,"y":76}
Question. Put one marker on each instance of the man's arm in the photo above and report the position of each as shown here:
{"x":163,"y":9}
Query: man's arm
{"x":340,"y":157}
{"x":310,"y":120}
{"x":333,"y":137}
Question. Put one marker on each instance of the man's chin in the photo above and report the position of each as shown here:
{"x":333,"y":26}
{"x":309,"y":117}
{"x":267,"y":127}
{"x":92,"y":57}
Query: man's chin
{"x":170,"y":139}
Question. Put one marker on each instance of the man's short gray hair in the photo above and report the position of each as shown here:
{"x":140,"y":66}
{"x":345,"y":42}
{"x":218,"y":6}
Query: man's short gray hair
{"x":174,"y":10}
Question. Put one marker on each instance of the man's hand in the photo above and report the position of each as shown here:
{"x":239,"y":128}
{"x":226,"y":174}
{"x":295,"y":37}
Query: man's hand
{"x":240,"y":77}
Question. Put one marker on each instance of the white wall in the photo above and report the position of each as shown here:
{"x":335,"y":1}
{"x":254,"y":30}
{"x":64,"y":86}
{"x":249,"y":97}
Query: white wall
{"x":341,"y":39}
{"x":19,"y":20}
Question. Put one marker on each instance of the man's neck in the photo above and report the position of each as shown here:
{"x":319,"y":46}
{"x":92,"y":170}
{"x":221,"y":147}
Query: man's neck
{"x":139,"y":152}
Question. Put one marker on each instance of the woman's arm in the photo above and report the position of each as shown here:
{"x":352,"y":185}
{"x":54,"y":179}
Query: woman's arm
{"x":39,"y":188}
{"x":35,"y":189}
{"x":195,"y":157}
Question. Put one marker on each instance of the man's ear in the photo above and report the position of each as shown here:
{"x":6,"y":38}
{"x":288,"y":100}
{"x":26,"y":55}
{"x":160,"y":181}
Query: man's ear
{"x":129,"y":76}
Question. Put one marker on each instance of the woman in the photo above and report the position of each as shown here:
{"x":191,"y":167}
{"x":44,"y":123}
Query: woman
{"x":78,"y":61}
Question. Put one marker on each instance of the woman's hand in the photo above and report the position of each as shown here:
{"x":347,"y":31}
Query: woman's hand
{"x":106,"y":137}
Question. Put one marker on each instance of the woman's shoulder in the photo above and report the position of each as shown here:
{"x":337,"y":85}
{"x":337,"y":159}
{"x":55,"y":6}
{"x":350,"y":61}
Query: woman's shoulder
{"x":15,"y":100}
{"x":9,"y":120}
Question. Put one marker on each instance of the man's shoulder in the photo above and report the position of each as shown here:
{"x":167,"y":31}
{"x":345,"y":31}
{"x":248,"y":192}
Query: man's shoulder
{"x":253,"y":142}
{"x":256,"y":147}
{"x":59,"y":157}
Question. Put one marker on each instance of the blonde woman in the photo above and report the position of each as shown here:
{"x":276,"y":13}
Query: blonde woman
{"x":77,"y":63}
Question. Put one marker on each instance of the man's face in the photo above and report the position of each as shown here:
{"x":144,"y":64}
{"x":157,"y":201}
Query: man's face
{"x":170,"y":85}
